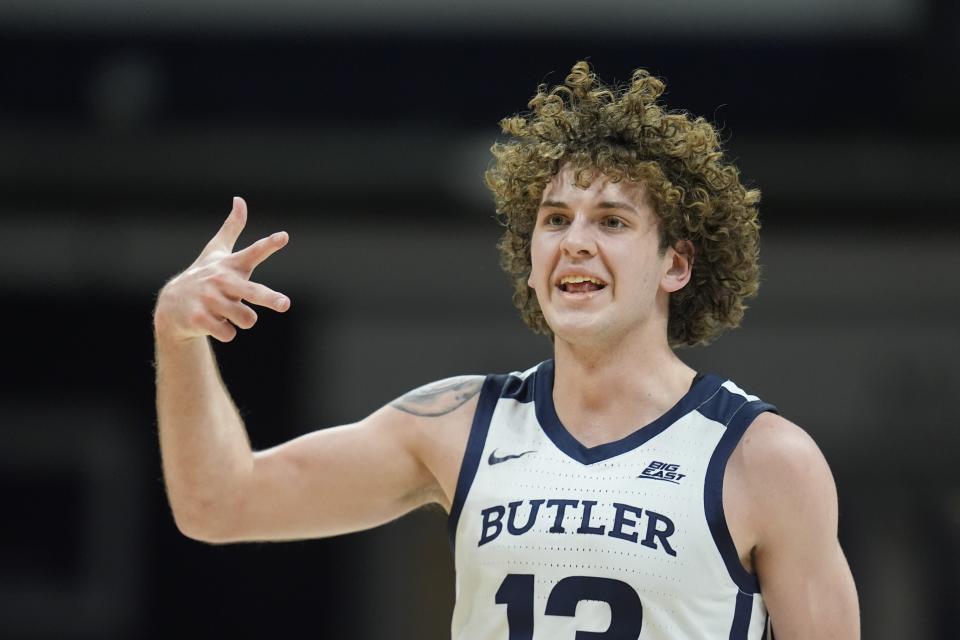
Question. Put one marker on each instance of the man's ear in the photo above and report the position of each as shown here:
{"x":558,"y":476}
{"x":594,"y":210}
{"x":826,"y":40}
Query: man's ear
{"x":679,"y":266}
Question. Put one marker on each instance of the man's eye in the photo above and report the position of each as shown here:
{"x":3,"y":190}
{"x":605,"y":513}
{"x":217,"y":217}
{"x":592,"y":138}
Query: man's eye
{"x":613,"y":223}
{"x":556,"y":220}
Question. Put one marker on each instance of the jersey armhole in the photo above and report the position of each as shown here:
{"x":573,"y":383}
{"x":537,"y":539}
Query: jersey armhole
{"x":487,"y":402}
{"x":742,"y":418}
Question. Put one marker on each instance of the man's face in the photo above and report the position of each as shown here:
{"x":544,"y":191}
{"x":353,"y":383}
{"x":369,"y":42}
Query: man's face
{"x":596,"y":265}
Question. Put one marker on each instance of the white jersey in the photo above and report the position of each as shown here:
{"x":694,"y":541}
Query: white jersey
{"x":557,"y":541}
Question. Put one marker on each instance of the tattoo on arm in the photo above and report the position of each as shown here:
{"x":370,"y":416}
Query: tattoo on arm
{"x":439,"y":398}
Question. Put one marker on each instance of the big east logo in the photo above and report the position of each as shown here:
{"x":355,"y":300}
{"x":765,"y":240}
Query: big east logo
{"x":663,"y":471}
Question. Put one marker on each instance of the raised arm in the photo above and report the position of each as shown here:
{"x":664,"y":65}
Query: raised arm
{"x":327,"y":482}
{"x":203,"y":443}
{"x":804,"y":576}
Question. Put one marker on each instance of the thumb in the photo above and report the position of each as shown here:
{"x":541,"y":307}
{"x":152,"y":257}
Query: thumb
{"x":227,"y":236}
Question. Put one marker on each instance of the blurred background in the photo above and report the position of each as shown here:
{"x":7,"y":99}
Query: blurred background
{"x":362,"y":128}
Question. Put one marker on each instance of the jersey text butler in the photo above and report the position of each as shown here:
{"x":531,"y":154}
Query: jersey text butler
{"x":627,"y":521}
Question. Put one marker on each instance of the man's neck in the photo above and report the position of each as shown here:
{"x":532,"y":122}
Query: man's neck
{"x":602,"y":395}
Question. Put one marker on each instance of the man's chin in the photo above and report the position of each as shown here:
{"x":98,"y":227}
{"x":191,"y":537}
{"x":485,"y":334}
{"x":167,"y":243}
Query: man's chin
{"x":580,"y":328}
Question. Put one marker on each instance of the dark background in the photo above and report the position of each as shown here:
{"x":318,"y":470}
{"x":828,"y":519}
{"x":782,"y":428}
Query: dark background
{"x":363,"y":131}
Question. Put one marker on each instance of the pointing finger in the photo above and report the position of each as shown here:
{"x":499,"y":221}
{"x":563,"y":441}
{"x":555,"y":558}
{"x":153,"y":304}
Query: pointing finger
{"x":232,"y":227}
{"x":249,"y":258}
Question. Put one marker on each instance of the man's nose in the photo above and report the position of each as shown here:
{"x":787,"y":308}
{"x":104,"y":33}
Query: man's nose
{"x":579,"y":240}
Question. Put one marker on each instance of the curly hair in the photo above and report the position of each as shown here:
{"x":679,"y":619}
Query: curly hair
{"x":626,"y":134}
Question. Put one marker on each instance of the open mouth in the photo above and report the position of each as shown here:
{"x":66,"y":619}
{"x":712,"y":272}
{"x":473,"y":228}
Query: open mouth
{"x":580,"y":284}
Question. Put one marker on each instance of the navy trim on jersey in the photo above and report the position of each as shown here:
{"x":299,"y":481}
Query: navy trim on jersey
{"x":700,"y":391}
{"x":487,"y":402}
{"x":736,"y":413}
{"x":741,"y":617}
{"x":520,"y":389}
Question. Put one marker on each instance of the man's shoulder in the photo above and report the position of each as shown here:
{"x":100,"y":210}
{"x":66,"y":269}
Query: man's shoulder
{"x":786,"y":472}
{"x":440,"y":397}
{"x":772,"y":444}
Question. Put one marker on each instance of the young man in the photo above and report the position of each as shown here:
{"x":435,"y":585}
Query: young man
{"x":611,"y":492}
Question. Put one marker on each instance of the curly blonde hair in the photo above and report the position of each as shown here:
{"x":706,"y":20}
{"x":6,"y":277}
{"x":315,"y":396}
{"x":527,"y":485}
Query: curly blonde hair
{"x":624,"y":133}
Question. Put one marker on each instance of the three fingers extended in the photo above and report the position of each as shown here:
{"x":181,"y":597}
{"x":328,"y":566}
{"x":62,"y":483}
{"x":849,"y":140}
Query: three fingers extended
{"x":208,"y":298}
{"x":238,"y":288}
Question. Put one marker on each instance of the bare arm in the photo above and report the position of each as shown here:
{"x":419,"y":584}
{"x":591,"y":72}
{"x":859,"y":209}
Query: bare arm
{"x":361,"y":475}
{"x":326,"y":482}
{"x":806,"y":582}
{"x":203,"y":442}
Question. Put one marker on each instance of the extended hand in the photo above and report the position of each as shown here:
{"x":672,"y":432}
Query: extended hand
{"x":207,"y":298}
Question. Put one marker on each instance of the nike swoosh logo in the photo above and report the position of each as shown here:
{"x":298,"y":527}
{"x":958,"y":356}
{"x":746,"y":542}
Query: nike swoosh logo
{"x":495,"y":459}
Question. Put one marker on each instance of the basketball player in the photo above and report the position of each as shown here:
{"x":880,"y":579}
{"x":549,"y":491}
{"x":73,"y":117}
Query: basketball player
{"x":610,"y":492}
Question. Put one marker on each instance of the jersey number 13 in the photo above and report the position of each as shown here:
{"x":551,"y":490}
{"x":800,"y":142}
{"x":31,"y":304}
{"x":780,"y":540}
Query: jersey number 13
{"x":626,"y":612}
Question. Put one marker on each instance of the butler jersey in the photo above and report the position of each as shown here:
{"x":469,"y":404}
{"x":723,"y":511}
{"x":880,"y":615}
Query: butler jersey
{"x":626,"y":540}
